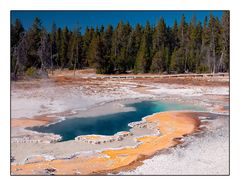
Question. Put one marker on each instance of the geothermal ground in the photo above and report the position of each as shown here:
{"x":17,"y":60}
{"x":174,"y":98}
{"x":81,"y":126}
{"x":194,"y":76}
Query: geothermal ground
{"x":200,"y":147}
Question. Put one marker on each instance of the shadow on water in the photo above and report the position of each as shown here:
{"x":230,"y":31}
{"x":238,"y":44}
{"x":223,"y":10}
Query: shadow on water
{"x":109,"y":124}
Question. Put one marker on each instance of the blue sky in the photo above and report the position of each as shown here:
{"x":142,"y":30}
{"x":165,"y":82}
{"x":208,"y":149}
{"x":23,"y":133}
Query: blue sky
{"x":97,"y":18}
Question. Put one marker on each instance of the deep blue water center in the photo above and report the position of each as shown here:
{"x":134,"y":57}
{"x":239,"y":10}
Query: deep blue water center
{"x":112,"y":123}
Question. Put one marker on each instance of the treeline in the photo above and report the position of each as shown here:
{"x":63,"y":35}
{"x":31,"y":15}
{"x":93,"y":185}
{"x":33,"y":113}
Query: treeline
{"x":188,"y":47}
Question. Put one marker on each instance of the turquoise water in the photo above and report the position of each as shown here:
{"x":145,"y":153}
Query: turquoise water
{"x":112,"y":123}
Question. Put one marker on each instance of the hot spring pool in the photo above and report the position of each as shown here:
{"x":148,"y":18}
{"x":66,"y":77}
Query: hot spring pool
{"x":112,"y":123}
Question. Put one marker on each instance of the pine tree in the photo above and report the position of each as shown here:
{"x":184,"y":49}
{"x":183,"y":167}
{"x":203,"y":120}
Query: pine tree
{"x":143,"y":60}
{"x":34,"y":42}
{"x":177,"y":64}
{"x":159,"y":35}
{"x":59,"y":46}
{"x":173,"y":62}
{"x":174,"y":39}
{"x":160,"y":41}
{"x":182,"y":34}
{"x":212,"y":45}
{"x":80,"y":52}
{"x":17,"y":32}
{"x":71,"y":51}
{"x":192,"y":46}
{"x":133,"y":45}
{"x":204,"y":55}
{"x":75,"y":49}
{"x":119,"y":46}
{"x":91,"y":50}
{"x":54,"y":51}
{"x":159,"y":61}
{"x":225,"y":58}
{"x":97,"y":55}
{"x":218,"y":45}
{"x":107,"y":42}
{"x":117,"y":39}
{"x":64,"y":48}
{"x":87,"y":39}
